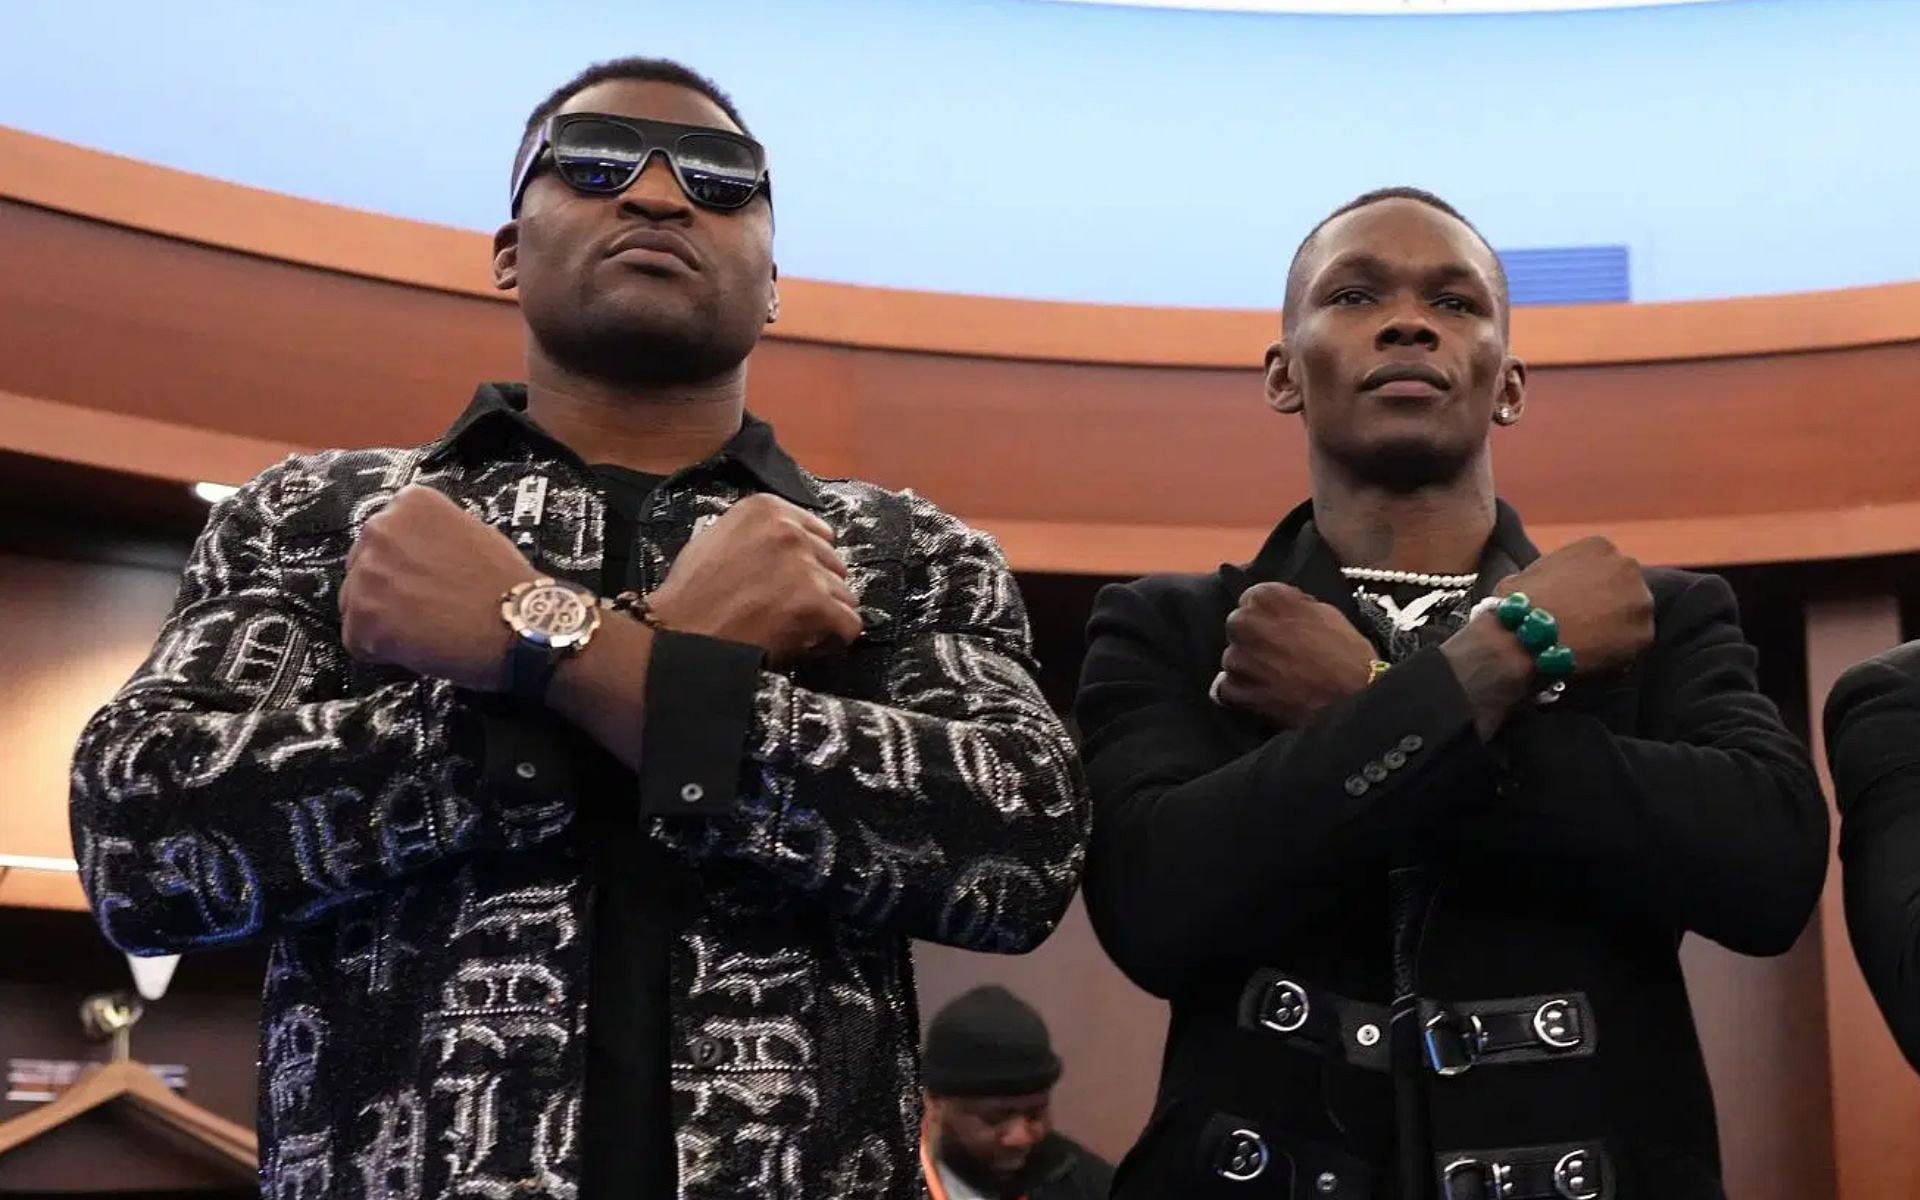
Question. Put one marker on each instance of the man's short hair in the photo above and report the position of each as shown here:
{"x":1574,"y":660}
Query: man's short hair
{"x":1296,"y":270}
{"x":646,"y":70}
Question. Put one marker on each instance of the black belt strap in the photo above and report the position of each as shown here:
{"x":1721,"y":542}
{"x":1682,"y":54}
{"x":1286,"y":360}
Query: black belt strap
{"x":1454,"y":1037}
{"x":1315,"y":1019}
{"x":1569,"y":1171}
{"x":1519,"y":1029}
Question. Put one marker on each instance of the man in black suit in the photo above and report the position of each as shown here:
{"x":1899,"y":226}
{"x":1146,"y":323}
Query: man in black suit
{"x":1412,"y":862}
{"x":1873,"y":747}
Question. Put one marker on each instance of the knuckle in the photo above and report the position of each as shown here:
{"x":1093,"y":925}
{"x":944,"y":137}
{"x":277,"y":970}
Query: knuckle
{"x":788,"y":533}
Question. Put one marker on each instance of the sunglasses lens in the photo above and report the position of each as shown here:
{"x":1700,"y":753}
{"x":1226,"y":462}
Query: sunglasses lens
{"x":719,"y":172}
{"x":598,"y":156}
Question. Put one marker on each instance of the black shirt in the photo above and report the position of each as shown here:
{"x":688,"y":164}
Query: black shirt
{"x":628,"y":1147}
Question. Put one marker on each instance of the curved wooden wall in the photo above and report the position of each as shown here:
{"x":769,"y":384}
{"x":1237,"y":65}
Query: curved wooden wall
{"x":177,"y":326}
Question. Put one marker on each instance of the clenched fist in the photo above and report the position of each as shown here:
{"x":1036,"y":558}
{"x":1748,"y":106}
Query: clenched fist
{"x":1289,"y":656}
{"x":422,"y":590}
{"x":766,"y":574}
{"x":1599,"y":597}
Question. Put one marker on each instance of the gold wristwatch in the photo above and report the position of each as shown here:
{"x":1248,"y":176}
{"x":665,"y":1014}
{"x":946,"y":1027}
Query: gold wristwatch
{"x":551,"y":620}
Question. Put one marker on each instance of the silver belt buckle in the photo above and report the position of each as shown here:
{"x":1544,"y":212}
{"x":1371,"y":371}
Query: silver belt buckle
{"x":1496,"y":1179}
{"x":1553,"y":1025}
{"x":1575,"y":1178}
{"x":1284,"y":1006}
{"x":1244,"y":1158}
{"x":1453,"y":1043}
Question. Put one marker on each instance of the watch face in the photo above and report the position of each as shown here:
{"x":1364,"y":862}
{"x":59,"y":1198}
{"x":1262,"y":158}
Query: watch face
{"x":554,"y":613}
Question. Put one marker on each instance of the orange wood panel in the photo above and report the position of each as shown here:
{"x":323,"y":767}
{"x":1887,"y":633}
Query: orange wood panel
{"x":111,"y":318}
{"x":176,"y":358}
{"x":130,"y":444}
{"x":41,"y":889}
{"x":70,"y":634}
{"x":137,"y":195}
{"x":1876,"y":1096}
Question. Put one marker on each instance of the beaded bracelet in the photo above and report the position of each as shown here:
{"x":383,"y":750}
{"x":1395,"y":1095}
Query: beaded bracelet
{"x":637,"y":606}
{"x":1548,"y":695}
{"x":1537,"y":631}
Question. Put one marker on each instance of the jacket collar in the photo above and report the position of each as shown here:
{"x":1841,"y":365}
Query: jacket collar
{"x":502,"y":407}
{"x":1296,"y":554}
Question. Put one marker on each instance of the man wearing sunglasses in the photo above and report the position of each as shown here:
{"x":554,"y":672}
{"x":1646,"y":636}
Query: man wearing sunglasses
{"x":590,"y":767}
{"x":1406,"y":818}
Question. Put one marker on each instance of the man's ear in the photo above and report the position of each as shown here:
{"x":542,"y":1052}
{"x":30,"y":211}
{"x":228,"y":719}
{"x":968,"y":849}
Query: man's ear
{"x":773,"y":296}
{"x":1512,"y":403}
{"x":1283,"y":387}
{"x":506,"y":256}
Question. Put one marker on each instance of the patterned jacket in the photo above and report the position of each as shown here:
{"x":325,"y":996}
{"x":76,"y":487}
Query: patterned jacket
{"x":407,"y":845}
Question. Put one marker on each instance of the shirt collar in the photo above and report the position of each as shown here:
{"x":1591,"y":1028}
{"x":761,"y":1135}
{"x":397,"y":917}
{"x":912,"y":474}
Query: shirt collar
{"x":753,"y":448}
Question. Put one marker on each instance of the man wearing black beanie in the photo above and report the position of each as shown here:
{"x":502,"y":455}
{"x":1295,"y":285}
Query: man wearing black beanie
{"x":990,"y":1068}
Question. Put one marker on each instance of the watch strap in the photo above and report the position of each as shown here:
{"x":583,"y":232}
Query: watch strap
{"x":530,"y":669}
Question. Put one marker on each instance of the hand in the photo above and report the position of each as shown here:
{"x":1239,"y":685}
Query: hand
{"x":1289,"y":656}
{"x":1600,"y":599}
{"x":765,"y":574}
{"x":422,"y":591}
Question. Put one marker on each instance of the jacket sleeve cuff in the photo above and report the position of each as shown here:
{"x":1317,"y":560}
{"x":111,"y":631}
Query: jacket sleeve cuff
{"x":1415,"y":753}
{"x":700,"y":700}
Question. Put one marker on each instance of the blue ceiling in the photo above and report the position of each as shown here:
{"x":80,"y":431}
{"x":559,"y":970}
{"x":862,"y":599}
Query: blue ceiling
{"x":1031,"y":148}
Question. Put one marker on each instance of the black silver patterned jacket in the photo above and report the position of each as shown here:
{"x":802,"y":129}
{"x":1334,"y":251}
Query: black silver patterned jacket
{"x":406,"y":845}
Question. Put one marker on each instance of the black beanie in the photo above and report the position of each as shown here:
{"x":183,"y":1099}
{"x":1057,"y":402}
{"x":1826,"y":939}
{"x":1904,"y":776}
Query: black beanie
{"x":988,"y":1042}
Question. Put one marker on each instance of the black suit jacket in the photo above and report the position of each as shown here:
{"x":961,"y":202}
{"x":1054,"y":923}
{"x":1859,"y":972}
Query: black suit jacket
{"x":1572,"y":853}
{"x":1873,"y":747}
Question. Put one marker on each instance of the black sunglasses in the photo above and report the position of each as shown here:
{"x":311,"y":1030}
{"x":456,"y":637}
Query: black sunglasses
{"x":601,"y":155}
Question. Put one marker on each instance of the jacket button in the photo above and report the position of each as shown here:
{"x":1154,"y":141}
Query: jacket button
{"x":526,"y":770}
{"x":1412,"y":743}
{"x":1394,"y":760}
{"x":707,"y":1052}
{"x":693,"y":793}
{"x":1373,"y":772}
{"x":1356,"y":786}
